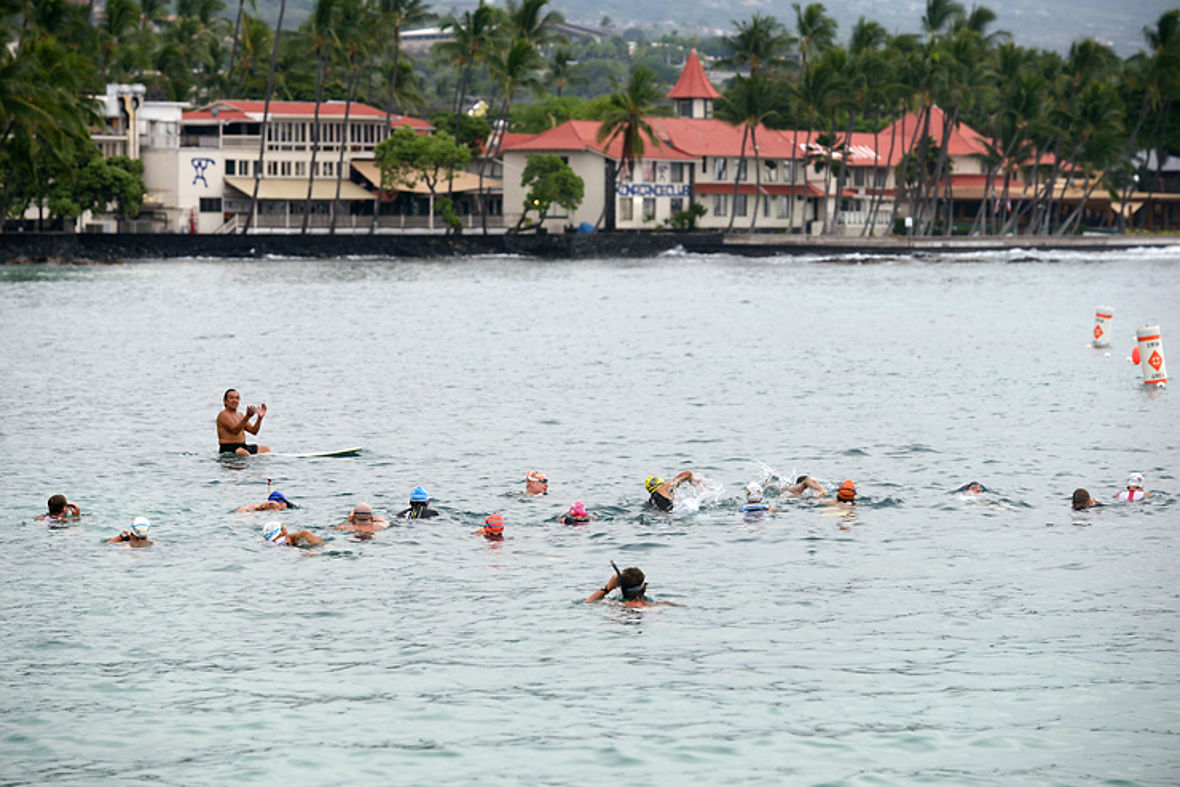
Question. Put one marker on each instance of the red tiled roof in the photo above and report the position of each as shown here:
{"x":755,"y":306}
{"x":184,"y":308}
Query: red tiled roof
{"x":240,"y":110}
{"x":964,"y":140}
{"x":693,"y":83}
{"x":581,"y":135}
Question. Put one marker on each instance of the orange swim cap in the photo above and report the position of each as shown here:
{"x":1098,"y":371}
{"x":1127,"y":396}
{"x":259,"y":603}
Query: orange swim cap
{"x":847,"y":492}
{"x":494,"y":523}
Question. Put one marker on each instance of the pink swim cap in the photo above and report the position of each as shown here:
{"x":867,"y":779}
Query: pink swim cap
{"x":578,"y":508}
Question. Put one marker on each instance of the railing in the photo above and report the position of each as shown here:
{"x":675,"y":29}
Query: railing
{"x":861,"y":217}
{"x":199,"y":141}
{"x":229,"y":227}
{"x":319,"y":221}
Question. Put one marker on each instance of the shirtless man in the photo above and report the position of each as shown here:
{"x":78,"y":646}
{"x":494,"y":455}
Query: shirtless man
{"x":60,"y":509}
{"x":362,"y":520}
{"x":232,"y":426}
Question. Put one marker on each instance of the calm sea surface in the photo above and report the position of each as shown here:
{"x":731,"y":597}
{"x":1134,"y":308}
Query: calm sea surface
{"x":923,"y":638}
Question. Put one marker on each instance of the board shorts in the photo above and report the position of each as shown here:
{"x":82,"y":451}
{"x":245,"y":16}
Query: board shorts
{"x":232,"y":448}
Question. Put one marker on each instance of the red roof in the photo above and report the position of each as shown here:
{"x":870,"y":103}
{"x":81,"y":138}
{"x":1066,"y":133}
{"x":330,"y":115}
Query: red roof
{"x":240,"y":110}
{"x":582,"y":135}
{"x":964,"y":140}
{"x":693,"y":83}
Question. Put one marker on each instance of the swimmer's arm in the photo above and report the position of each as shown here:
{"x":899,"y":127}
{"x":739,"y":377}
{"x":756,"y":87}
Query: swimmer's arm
{"x":811,"y":483}
{"x":233,"y":423}
{"x":683,"y":477}
{"x":73,"y":510}
{"x":124,"y":536}
{"x":306,"y":536}
{"x":601,"y":593}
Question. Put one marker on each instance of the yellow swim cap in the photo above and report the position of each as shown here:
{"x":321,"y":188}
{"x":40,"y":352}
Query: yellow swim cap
{"x":653,"y":483}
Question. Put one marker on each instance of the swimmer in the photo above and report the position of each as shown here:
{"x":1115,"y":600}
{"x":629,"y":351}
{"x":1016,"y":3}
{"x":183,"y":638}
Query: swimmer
{"x":536,"y":483}
{"x":754,"y":507}
{"x":845,"y":494}
{"x":1083,"y":500}
{"x":276,"y":533}
{"x":971,"y":488}
{"x":362,"y":520}
{"x":802,"y":484}
{"x":60,"y":509}
{"x":631,"y":583}
{"x":419,"y":505}
{"x":274,"y":502}
{"x":136,"y":535}
{"x":661,"y":491}
{"x":1134,"y":491}
{"x":231,"y":427}
{"x":577,"y":515}
{"x":493,"y":528}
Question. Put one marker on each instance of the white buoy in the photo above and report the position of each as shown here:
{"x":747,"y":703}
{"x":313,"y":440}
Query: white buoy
{"x":1151,"y":354}
{"x":1102,"y":318}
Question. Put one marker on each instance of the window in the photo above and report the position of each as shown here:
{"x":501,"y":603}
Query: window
{"x":230,"y":168}
{"x":858,"y":176}
{"x":285,"y":169}
{"x":770,"y":171}
{"x":677,"y":173}
{"x":649,"y":171}
{"x":879,"y":178}
{"x":329,"y":169}
{"x":626,"y":209}
{"x":257,"y":168}
{"x":719,"y":168}
{"x":766,"y":207}
{"x":677,"y":205}
{"x":300,"y":169}
{"x":720,"y":204}
{"x":684,"y":107}
{"x":739,"y":205}
{"x":742,"y":168}
{"x":210,"y":205}
{"x":780,"y":206}
{"x":649,"y":208}
{"x":272,"y":168}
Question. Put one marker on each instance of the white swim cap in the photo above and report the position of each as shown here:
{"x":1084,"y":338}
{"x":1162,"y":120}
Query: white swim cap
{"x":1135,"y":480}
{"x":272,"y":531}
{"x":753,"y":492}
{"x":141,"y":527}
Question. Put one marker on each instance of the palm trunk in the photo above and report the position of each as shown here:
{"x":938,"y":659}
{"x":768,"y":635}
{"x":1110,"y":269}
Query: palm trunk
{"x":233,"y":52}
{"x":315,"y":142}
{"x":842,"y":178}
{"x":757,"y":177}
{"x":737,"y":178}
{"x":270,"y":88}
{"x":353,"y":78}
{"x":397,"y":51}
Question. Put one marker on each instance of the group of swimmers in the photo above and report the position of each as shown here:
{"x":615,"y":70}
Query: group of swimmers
{"x":1134,"y":493}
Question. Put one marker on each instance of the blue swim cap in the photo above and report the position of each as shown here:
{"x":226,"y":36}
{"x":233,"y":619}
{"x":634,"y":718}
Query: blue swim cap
{"x":419,"y":495}
{"x":279,"y":497}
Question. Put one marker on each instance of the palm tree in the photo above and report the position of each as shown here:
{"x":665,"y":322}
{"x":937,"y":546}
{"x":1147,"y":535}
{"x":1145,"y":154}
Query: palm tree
{"x":762,"y":41}
{"x":518,"y":67}
{"x":321,"y":29}
{"x":528,"y":21}
{"x":816,"y":31}
{"x":473,"y":31}
{"x":561,"y":70}
{"x":750,"y":102}
{"x":626,"y":119}
{"x":818,"y":95}
{"x":270,"y":86}
{"x":354,"y":37}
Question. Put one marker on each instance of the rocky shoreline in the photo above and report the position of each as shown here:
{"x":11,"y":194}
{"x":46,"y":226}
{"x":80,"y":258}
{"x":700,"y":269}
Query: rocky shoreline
{"x":113,"y":248}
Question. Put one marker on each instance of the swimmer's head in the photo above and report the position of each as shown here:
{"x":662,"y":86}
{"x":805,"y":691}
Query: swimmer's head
{"x":419,"y":495}
{"x":228,"y":391}
{"x":632,"y":583}
{"x":141,"y":527}
{"x":753,"y":492}
{"x":57,"y":504}
{"x":800,"y":479}
{"x":653,"y":483}
{"x":973,"y":488}
{"x":273,"y":531}
{"x":494,"y":525}
{"x":578,"y":508}
{"x":279,"y":498}
{"x":847,"y":492}
{"x":1081,"y":499}
{"x":363,"y":512}
{"x":1135,"y":481}
{"x":536,"y":481}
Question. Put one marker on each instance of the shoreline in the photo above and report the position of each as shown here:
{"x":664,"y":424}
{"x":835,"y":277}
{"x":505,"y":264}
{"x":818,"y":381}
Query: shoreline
{"x":23,"y":248}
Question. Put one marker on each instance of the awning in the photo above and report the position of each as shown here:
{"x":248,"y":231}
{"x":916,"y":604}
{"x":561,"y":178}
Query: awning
{"x":751,"y":188}
{"x":464,"y":181}
{"x":296,"y":188}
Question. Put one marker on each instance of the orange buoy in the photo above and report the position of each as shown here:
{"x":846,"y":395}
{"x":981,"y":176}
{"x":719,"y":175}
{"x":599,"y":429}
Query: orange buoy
{"x":1135,"y":355}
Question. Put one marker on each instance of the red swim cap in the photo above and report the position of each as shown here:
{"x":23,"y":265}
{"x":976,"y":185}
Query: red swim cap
{"x":847,"y":492}
{"x":494,"y":523}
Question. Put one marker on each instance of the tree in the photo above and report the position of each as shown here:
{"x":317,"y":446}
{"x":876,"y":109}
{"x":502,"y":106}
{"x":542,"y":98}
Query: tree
{"x":762,"y":41}
{"x":407,"y":158}
{"x":816,"y":31}
{"x":750,"y":102}
{"x":270,"y":86}
{"x":516,"y":68}
{"x":320,"y":32}
{"x":473,"y":32}
{"x":625,"y":119}
{"x":550,"y":181}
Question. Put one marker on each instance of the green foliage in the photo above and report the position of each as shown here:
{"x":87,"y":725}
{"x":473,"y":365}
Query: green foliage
{"x":473,"y":131}
{"x":100,"y":184}
{"x":444,"y":208}
{"x":686,"y":220}
{"x":406,"y":158}
{"x":550,"y":181}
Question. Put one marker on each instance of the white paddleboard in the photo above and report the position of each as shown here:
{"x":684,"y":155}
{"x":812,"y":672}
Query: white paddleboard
{"x":340,"y":452}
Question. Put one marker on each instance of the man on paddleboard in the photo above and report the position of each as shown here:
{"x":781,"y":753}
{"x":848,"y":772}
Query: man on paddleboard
{"x":232,"y":426}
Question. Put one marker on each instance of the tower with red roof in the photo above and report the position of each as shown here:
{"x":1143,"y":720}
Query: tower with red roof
{"x":693,"y":93}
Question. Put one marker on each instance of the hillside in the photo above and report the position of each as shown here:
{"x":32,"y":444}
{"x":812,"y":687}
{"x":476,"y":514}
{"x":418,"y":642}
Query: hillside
{"x":1047,"y":24}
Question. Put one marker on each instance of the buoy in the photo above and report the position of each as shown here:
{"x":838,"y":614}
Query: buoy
{"x":1102,"y":318}
{"x":1135,"y":355}
{"x":1151,"y":354}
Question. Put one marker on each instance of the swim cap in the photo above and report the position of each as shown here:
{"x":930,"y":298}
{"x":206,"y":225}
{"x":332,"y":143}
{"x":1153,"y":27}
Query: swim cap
{"x":536,"y":475}
{"x":278,"y":496}
{"x":847,"y":492}
{"x":1135,"y":480}
{"x":419,"y":495}
{"x":578,"y":508}
{"x":272,"y":531}
{"x":141,"y":527}
{"x":653,"y":483}
{"x":753,"y":492}
{"x":494,"y":524}
{"x":363,"y":508}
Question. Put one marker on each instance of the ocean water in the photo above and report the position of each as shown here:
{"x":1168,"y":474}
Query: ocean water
{"x":919,"y":638}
